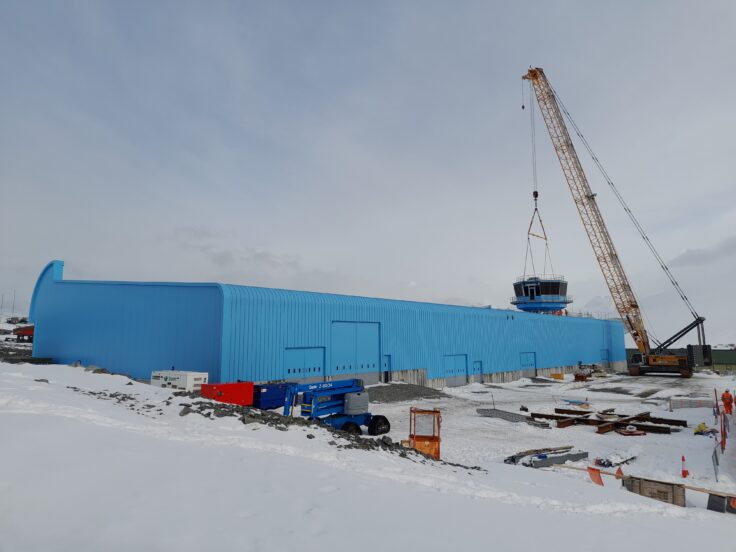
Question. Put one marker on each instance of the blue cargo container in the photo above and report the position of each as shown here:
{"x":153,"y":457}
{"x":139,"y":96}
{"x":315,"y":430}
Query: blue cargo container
{"x":267,"y":396}
{"x":265,"y":335}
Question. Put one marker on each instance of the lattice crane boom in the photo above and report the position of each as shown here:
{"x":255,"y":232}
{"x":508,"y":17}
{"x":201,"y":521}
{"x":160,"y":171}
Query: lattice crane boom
{"x":595,"y":227}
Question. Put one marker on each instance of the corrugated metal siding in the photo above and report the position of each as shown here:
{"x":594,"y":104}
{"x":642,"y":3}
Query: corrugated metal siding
{"x":261,"y":323}
{"x":239,"y":332}
{"x":127,"y":327}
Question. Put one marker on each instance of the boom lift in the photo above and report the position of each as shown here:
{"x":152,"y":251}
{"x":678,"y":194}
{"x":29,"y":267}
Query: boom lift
{"x":341,"y":404}
{"x":649,"y":358}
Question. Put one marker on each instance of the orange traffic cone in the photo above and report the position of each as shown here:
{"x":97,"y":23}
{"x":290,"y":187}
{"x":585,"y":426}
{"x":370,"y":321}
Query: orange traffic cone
{"x":685,"y":471}
{"x":619,"y":473}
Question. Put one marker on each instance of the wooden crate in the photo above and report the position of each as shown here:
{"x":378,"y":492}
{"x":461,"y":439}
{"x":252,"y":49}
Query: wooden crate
{"x":672,"y":493}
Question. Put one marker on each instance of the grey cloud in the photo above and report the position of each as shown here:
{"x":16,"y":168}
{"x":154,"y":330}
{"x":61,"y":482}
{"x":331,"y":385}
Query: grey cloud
{"x":195,"y":233}
{"x":699,"y":257}
{"x":598,"y":304}
{"x":257,"y":266}
{"x":212,"y":244}
{"x":222,"y":258}
{"x":353,"y":149}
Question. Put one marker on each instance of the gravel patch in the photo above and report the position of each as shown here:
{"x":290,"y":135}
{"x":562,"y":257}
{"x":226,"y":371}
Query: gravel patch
{"x":400,"y":392}
{"x":648,"y":393}
{"x":343,"y":440}
{"x":545,"y":380}
{"x":214,"y":410}
{"x":616,"y":390}
{"x":19,"y":353}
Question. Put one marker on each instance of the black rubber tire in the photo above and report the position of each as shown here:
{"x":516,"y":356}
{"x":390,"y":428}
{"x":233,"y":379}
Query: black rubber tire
{"x":378,"y":425}
{"x":352,"y":428}
{"x":686,"y":373}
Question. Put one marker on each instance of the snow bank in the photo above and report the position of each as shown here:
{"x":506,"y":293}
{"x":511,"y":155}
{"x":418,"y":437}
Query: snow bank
{"x":83,"y":473}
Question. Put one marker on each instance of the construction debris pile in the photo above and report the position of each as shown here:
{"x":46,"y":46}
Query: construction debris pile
{"x":608,"y":420}
{"x":546,"y":457}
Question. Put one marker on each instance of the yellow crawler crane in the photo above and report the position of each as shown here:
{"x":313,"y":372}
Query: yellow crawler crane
{"x":649,"y":359}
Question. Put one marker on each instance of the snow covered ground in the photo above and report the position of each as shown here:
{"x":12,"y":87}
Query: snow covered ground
{"x":470,"y":439}
{"x":6,"y":331}
{"x":79,"y":472}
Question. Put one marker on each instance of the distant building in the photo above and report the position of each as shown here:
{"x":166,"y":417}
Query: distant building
{"x":725,"y":347}
{"x":24,"y":334}
{"x":259,"y":334}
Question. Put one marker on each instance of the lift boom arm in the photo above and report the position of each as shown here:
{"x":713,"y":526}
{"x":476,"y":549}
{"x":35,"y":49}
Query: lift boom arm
{"x":603,"y":248}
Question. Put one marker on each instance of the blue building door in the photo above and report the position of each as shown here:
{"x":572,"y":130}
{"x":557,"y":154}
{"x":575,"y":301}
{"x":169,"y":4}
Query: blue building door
{"x":477,"y":368}
{"x":456,"y":365}
{"x":367,"y":348}
{"x":304,"y":362}
{"x":355,"y":348}
{"x":528,"y":360}
{"x":386,"y":369}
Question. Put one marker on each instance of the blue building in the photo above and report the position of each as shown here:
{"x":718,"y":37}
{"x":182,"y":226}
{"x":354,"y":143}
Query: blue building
{"x":259,"y":334}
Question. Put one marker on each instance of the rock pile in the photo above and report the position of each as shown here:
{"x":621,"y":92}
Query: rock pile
{"x":214,"y":410}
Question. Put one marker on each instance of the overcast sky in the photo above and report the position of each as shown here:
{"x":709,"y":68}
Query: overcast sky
{"x":372,"y":148}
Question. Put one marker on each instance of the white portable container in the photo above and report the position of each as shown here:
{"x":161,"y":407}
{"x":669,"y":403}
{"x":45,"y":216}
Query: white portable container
{"x":183,"y":381}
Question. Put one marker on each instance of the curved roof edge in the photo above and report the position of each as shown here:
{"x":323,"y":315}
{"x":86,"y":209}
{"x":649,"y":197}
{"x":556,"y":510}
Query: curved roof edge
{"x":231,"y":291}
{"x":56,"y":269}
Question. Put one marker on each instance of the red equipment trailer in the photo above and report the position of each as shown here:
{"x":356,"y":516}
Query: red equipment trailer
{"x":240,"y":393}
{"x":24,"y":334}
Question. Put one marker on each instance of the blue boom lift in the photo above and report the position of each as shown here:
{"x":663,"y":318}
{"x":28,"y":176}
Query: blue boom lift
{"x":340,"y":404}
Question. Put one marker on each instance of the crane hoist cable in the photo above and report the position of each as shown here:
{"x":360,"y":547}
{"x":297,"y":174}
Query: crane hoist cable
{"x":534,"y":143}
{"x":531,"y":233}
{"x":529,"y":254}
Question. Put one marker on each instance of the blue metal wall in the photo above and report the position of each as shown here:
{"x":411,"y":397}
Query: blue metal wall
{"x":259,"y":334}
{"x":261,"y":327}
{"x":127,"y":327}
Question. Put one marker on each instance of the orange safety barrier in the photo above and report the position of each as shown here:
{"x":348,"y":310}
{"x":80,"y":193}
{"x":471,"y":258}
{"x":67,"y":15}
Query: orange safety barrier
{"x":424,"y":431}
